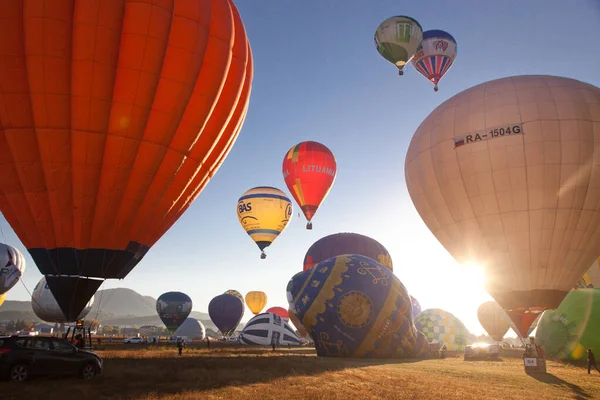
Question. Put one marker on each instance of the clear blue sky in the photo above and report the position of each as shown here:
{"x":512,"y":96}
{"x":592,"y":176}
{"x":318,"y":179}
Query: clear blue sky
{"x":318,"y":77}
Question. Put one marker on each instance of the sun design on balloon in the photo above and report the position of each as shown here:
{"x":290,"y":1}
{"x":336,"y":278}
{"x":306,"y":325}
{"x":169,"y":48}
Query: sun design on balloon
{"x":355,"y":309}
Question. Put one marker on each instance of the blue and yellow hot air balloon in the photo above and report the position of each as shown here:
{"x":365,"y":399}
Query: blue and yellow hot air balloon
{"x":264,"y":212}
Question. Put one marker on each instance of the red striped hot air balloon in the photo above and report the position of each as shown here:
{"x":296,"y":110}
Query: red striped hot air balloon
{"x":114,"y":115}
{"x":309,"y":169}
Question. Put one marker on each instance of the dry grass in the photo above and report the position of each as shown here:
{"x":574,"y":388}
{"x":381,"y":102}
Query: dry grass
{"x":253,"y":374}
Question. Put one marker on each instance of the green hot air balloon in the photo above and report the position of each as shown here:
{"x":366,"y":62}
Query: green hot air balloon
{"x":397,"y":39}
{"x":567,"y":332}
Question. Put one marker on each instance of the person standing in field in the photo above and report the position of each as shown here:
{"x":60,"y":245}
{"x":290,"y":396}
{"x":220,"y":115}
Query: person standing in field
{"x":180,"y":346}
{"x":207,"y":343}
{"x":591,"y":361}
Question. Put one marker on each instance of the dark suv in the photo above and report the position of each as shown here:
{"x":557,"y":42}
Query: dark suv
{"x":25,"y":356}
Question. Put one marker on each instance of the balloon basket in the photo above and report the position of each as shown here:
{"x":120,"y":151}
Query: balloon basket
{"x":309,"y":226}
{"x":534,"y":365}
{"x":400,"y":72}
{"x":263,"y":256}
{"x":435,"y":88}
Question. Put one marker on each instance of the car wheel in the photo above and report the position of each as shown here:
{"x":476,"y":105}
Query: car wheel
{"x":19,"y":373}
{"x":88,"y":371}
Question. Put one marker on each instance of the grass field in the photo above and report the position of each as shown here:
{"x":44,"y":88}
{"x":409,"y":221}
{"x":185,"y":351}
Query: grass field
{"x":253,"y":374}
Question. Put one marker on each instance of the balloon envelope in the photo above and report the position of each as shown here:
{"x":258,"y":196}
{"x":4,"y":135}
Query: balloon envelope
{"x":493,"y":319}
{"x":301,"y":330}
{"x":173,"y":308}
{"x":256,"y":301}
{"x":44,"y":305}
{"x":236,"y":294}
{"x":226,"y":312}
{"x":12,"y":267}
{"x":347,"y":243}
{"x":264,"y":212}
{"x":397,"y":39}
{"x":352,"y":306}
{"x":571,"y":329}
{"x":416,"y":307}
{"x":442,"y":327}
{"x":191,"y":328}
{"x":435,"y":55}
{"x":112,"y":125}
{"x":500,"y":174}
{"x":282,"y":312}
{"x":2,"y":298}
{"x":309,"y":169}
{"x":267,"y":329}
{"x":591,"y":279}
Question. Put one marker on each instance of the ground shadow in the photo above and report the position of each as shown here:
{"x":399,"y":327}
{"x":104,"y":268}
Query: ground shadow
{"x":554,"y":380}
{"x":169,"y":374}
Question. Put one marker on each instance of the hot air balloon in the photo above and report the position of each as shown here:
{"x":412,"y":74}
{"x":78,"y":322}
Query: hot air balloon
{"x":352,"y":306}
{"x":226,"y":312}
{"x":347,"y":243}
{"x":493,"y":319}
{"x":416,"y":307}
{"x":267,"y":329}
{"x":2,"y":298}
{"x":435,"y":55}
{"x":301,"y":330}
{"x":236,"y":294}
{"x":571,"y":329}
{"x":309,"y":169}
{"x":173,"y":308}
{"x":264,"y":212}
{"x":191,"y":328}
{"x":500,"y":173}
{"x":442,"y":327}
{"x":44,"y":305}
{"x":591,"y":279}
{"x":397,"y":39}
{"x":256,"y":301}
{"x":282,"y":312}
{"x":112,"y":125}
{"x":529,"y":330}
{"x":12,"y":267}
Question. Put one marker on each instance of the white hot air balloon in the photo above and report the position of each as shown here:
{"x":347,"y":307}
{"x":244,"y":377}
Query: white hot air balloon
{"x":191,"y":328}
{"x":12,"y":267}
{"x":46,"y":308}
{"x":266,"y":329}
{"x":506,"y":175}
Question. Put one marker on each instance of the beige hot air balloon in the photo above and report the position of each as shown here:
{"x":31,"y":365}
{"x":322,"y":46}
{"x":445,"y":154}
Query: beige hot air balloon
{"x":493,"y":319}
{"x":505,"y":174}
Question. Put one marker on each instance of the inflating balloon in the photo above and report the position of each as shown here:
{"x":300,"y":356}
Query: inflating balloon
{"x":347,"y":243}
{"x":267,"y":329}
{"x":397,"y":39}
{"x":352,"y":306}
{"x":493,"y":319}
{"x":191,"y":328}
{"x":571,"y":329}
{"x":416,"y":307}
{"x":435,"y":55}
{"x":44,"y":305}
{"x":173,"y":308}
{"x":116,"y":114}
{"x":500,"y":174}
{"x":256,"y":301}
{"x":12,"y":267}
{"x":264,"y":212}
{"x":309,"y":169}
{"x":442,"y":327}
{"x":282,"y":312}
{"x":226,"y":312}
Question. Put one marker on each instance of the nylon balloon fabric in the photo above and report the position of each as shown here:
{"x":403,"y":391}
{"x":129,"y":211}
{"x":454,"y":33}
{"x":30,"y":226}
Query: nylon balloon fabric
{"x":442,"y":327}
{"x":173,"y":308}
{"x":226,"y":312}
{"x":352,"y":306}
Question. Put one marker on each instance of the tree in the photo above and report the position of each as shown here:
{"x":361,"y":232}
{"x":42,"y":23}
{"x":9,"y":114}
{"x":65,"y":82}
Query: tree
{"x":93,"y":324}
{"x":20,"y":325}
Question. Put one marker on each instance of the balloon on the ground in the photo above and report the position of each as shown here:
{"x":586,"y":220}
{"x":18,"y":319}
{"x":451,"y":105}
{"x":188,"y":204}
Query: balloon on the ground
{"x":397,"y":39}
{"x":264,"y":212}
{"x":44,"y":305}
{"x":2,"y":298}
{"x":435,"y":55}
{"x":191,"y":328}
{"x":226,"y":312}
{"x":416,"y":307}
{"x":500,"y":174}
{"x":12,"y":267}
{"x":347,"y":243}
{"x":591,"y":279}
{"x":301,"y":331}
{"x":309,"y":169}
{"x":282,"y":312}
{"x":256,"y":301}
{"x":352,"y":306}
{"x":173,"y":308}
{"x":116,"y":114}
{"x":442,"y":327}
{"x":267,"y":329}
{"x":236,"y":294}
{"x":493,"y":319}
{"x":571,"y":329}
